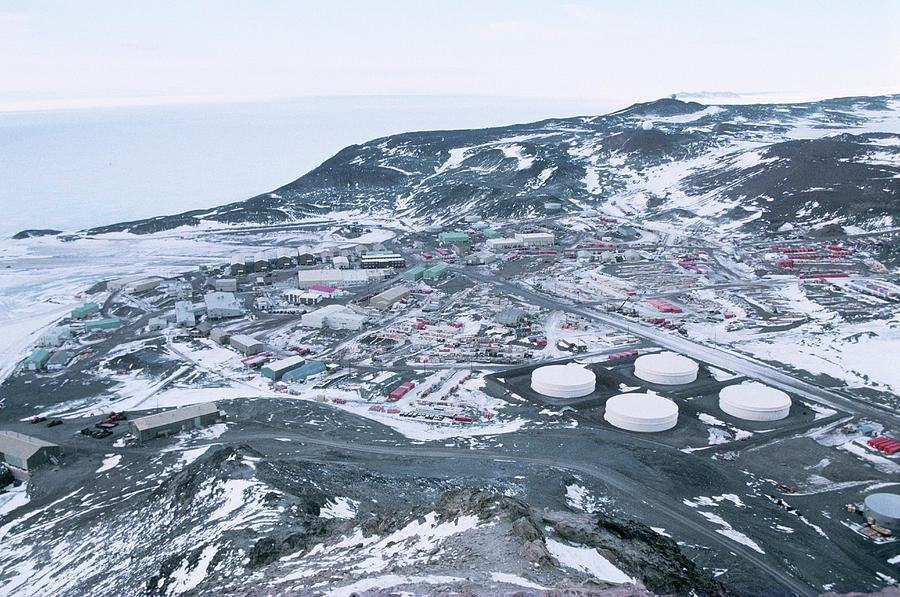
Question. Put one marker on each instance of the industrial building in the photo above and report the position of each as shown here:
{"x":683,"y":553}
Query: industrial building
{"x":307,"y":278}
{"x":120,"y":283}
{"x":552,"y":206}
{"x":247,"y":345}
{"x":157,"y":323}
{"x":884,"y":509}
{"x":142,"y":284}
{"x":341,"y":262}
{"x":535,"y":239}
{"x":435,"y":273}
{"x":26,"y":452}
{"x":85,"y":310}
{"x":313,"y":277}
{"x":301,"y":373}
{"x":381,"y":259}
{"x":276,"y":369}
{"x":665,"y":368}
{"x":503,"y":243}
{"x":225,"y":285}
{"x":415,"y":274}
{"x":642,"y":412}
{"x":59,"y":360}
{"x":220,"y":305}
{"x":453,"y":237}
{"x":489,"y":233}
{"x":335,"y":317}
{"x":178,"y":288}
{"x":184,"y":314}
{"x":753,"y":401}
{"x":54,"y":336}
{"x":510,"y":316}
{"x":302,"y":297}
{"x":37,"y":359}
{"x":110,"y":323}
{"x":385,"y":300}
{"x":176,"y":420}
{"x":220,"y":336}
{"x":563,"y":381}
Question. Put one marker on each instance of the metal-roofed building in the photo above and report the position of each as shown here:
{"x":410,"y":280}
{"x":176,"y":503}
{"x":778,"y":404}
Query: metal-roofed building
{"x":511,"y":316}
{"x":184,"y":314}
{"x":176,"y":420}
{"x":535,"y":239}
{"x":85,"y":310}
{"x":226,"y":285}
{"x":453,"y":237}
{"x":110,"y":323}
{"x":276,"y":369}
{"x":222,"y":304}
{"x":37,"y":359}
{"x":59,"y":360}
{"x":436,"y":272}
{"x":414,"y":274}
{"x":26,"y":452}
{"x":386,"y":299}
{"x":307,"y":370}
{"x":246,"y":344}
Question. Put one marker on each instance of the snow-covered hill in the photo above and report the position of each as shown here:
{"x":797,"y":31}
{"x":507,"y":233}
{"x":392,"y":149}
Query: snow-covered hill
{"x":754,"y":166}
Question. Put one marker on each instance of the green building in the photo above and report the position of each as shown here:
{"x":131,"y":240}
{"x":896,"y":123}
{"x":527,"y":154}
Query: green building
{"x":26,"y":452}
{"x":374,"y":253}
{"x":491,"y":233}
{"x":37,"y":359}
{"x":102,"y":324}
{"x":85,"y":310}
{"x":414,"y":274}
{"x":435,"y":273}
{"x":453,"y":237}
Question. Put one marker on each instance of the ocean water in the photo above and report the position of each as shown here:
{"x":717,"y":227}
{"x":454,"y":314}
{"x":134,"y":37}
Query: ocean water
{"x":72,"y":169}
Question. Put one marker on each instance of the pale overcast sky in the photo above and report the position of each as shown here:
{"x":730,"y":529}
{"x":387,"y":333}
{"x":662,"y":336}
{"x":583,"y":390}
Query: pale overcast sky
{"x":92,"y":52}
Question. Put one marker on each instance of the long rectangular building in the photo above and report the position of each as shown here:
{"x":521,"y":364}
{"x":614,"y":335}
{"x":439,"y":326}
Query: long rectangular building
{"x":276,"y":369}
{"x":335,"y":317}
{"x":386,"y":299}
{"x":381,"y":259}
{"x":26,"y":452}
{"x":176,"y":420}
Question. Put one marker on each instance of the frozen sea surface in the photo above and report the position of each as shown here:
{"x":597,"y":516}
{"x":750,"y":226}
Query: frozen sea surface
{"x":81,"y":168}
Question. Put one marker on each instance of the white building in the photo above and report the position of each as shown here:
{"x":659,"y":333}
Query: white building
{"x":535,"y":239}
{"x":335,"y":317}
{"x":222,"y":304}
{"x":295,"y":296}
{"x":184,"y":314}
{"x":340,"y":278}
{"x":226,"y":285}
{"x":503,"y":243}
{"x":341,"y":262}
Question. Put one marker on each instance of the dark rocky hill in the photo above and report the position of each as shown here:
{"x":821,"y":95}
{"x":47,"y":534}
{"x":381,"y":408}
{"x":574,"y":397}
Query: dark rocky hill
{"x":833,"y":162}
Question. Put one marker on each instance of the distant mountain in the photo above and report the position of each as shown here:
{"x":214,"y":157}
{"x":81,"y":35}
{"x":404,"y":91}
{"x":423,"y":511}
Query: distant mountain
{"x":832,"y":162}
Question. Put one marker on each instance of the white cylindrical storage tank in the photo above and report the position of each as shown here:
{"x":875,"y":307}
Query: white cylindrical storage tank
{"x":754,"y":401}
{"x":563,"y":381}
{"x":884,"y":508}
{"x":639,"y":411}
{"x":665,"y":368}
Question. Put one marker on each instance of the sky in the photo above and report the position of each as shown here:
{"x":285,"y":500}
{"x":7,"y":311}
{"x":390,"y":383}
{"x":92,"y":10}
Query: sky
{"x":95,"y":52}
